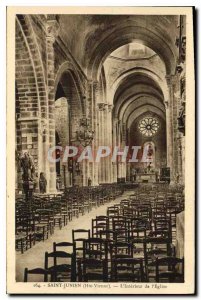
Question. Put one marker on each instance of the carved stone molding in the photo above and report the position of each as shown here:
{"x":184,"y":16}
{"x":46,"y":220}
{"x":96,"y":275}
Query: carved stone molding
{"x":171,"y":79}
{"x":110,"y":107}
{"x":102,"y":106}
{"x":52,"y":29}
{"x":94,"y":85}
{"x":166,"y":103}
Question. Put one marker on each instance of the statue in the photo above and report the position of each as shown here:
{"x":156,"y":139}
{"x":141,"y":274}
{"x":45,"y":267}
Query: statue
{"x":28,"y":167}
{"x":28,"y":176}
{"x":42,"y":183}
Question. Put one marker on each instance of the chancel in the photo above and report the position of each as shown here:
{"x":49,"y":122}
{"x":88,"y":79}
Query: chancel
{"x":100,"y":143}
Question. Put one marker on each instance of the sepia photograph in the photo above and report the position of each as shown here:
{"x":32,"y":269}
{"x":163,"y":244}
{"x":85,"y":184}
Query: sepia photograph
{"x":100,"y":141}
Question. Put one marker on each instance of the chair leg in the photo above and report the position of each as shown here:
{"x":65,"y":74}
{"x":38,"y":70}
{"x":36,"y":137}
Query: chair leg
{"x":21,"y":246}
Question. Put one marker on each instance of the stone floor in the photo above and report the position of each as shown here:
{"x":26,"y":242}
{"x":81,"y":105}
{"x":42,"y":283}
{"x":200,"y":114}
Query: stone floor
{"x":34,"y":257}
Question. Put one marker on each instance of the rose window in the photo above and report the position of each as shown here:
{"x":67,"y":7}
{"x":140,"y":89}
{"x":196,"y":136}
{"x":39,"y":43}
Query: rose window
{"x":148,"y":126}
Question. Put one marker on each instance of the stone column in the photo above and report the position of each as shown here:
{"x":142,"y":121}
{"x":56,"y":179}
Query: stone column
{"x":180,"y":160}
{"x":93,"y":100}
{"x":101,"y":140}
{"x":114,"y":143}
{"x":105,"y":140}
{"x":123,"y":144}
{"x":90,"y":115}
{"x":170,"y":127}
{"x":169,"y":134}
{"x":51,"y":33}
{"x":119,"y":164}
{"x":109,"y":132}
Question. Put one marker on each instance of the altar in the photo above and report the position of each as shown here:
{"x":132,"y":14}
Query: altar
{"x":146,"y":177}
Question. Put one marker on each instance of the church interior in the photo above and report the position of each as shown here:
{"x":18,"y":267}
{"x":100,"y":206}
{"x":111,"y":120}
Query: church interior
{"x":91,"y":81}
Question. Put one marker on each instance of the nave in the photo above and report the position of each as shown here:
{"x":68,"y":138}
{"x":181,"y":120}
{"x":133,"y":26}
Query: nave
{"x":130,"y":236}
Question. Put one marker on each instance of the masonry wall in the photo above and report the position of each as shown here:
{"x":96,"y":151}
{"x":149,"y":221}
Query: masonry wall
{"x":27,"y":104}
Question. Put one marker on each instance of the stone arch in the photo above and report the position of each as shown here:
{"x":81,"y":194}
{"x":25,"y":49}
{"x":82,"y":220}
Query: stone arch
{"x":145,"y":72}
{"x":135,"y":79}
{"x":36,"y":76}
{"x":124,"y":34}
{"x":142,"y":110}
{"x":129,"y":95}
{"x":26,"y":78}
{"x":138,"y":102}
{"x":68,"y":67}
{"x":76,"y":101}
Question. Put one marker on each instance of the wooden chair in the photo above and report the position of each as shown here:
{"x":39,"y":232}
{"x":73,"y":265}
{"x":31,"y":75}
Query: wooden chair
{"x":91,"y":269}
{"x":44,"y":223}
{"x":112,"y":211}
{"x":65,"y":245}
{"x":78,"y":237}
{"x":140,"y":223}
{"x":57,"y":215}
{"x":21,"y":242}
{"x":172,"y":273}
{"x":161,"y":224}
{"x":109,"y":235}
{"x":98,"y":224}
{"x":41,"y":231}
{"x":127,"y":269}
{"x":155,"y":247}
{"x":63,"y":271}
{"x":75,"y":207}
{"x":95,"y":248}
{"x":121,"y":250}
{"x":36,"y":271}
{"x":139,"y":233}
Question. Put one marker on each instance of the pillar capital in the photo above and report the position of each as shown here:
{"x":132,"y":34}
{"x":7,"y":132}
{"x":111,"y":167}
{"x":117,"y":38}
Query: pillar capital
{"x":110,"y":107}
{"x":93,"y":84}
{"x":101,"y":106}
{"x":171,"y":79}
{"x":52,"y":28}
{"x":166,"y":103}
{"x":115,"y":121}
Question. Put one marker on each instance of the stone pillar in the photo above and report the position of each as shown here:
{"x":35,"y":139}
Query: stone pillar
{"x":171,"y":127}
{"x":109,"y":132}
{"x":169,"y":134}
{"x":123,"y":144}
{"x":101,"y":141}
{"x":90,"y":115}
{"x":107,"y":141}
{"x":118,"y":143}
{"x":180,"y":158}
{"x":51,"y":33}
{"x":181,"y":117}
{"x":94,"y":114}
{"x":114,"y":143}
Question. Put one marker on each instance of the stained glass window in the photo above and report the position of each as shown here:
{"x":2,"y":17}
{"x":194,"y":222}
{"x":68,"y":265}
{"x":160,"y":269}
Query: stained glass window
{"x":148,"y":126}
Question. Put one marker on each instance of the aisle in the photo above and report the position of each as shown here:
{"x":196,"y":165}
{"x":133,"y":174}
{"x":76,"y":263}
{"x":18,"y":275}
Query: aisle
{"x":34,"y":257}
